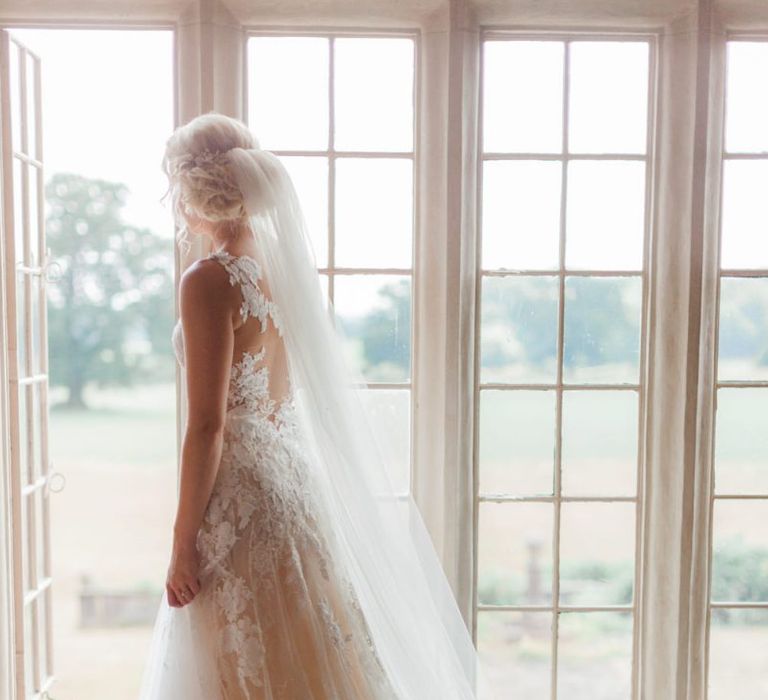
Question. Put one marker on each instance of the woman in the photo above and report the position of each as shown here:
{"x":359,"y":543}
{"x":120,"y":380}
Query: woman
{"x":297,"y":572}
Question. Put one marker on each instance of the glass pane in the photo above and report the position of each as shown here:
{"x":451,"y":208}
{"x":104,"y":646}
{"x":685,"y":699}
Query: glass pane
{"x":741,"y":444}
{"x":602,"y":329}
{"x":374,"y":212}
{"x":15,"y":89}
{"x":517,"y":442}
{"x":310,"y":179}
{"x":30,"y":526}
{"x":324,"y":284}
{"x":375,"y":316}
{"x":22,"y":349}
{"x":514,"y":558}
{"x":37,"y":313}
{"x":32,"y":199}
{"x":26,"y":565}
{"x":746,"y":97}
{"x":608,"y":97}
{"x":518,"y":338}
{"x":738,"y":654}
{"x":595,"y":656}
{"x":743,"y":329}
{"x":37,"y":436}
{"x":288,"y":92}
{"x":40,"y":503}
{"x":42,"y":613}
{"x":29,"y":626}
{"x":599,"y":443}
{"x":19,"y":173}
{"x":523,"y":96}
{"x":25,"y":430}
{"x":521,"y":214}
{"x":740,"y":551}
{"x":515,"y":649}
{"x":373,"y":94}
{"x":745,"y":214}
{"x":605,"y":213}
{"x":597,"y":553}
{"x":391,"y":410}
{"x":31,"y":111}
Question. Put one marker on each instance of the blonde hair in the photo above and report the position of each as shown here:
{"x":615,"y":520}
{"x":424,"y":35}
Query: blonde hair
{"x":197,"y":167}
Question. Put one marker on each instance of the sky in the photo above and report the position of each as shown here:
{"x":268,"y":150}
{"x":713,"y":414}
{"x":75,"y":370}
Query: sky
{"x":108,"y":109}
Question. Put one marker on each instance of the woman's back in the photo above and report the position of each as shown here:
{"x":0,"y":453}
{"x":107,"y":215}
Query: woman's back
{"x":259,"y":379}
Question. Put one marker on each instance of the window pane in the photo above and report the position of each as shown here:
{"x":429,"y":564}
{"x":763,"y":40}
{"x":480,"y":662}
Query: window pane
{"x":515,"y":553}
{"x":523,"y":96}
{"x":517,"y":442}
{"x":747,"y":98}
{"x":740,"y":551}
{"x":599,"y":443}
{"x":738,"y":653}
{"x":14,"y":68}
{"x":745,"y":214}
{"x":597,"y":553}
{"x":373,"y":91}
{"x":33,"y":195}
{"x":519,"y":329}
{"x":605,"y":212}
{"x":741,"y":444}
{"x":608,"y":97}
{"x":31,"y":112}
{"x":310,"y":179}
{"x":374,"y":212}
{"x":595,"y":656}
{"x":602,"y":329}
{"x":288,"y":92}
{"x":516,"y":652}
{"x":521,"y":214}
{"x":375,"y":316}
{"x":743,"y":329}
{"x":391,"y":409}
{"x":19,"y":173}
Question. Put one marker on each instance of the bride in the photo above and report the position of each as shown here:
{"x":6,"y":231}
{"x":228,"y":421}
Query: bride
{"x":297,"y":570}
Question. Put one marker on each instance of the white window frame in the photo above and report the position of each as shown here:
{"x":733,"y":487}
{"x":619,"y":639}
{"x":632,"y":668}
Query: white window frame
{"x":682,"y":291}
{"x":717,"y":384}
{"x":559,"y":387}
{"x":330,"y":271}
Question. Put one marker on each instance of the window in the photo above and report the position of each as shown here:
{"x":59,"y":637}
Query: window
{"x":739,"y":586}
{"x":564,"y":183}
{"x":349,"y":148}
{"x":575,"y":221}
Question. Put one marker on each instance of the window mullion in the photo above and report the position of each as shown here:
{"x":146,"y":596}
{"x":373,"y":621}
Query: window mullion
{"x":680,"y":404}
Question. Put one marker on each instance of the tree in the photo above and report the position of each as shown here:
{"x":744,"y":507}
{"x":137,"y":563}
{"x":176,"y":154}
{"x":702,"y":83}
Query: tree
{"x":112,"y":306}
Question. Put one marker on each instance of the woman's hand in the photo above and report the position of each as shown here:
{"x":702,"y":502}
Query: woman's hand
{"x":182,"y":583}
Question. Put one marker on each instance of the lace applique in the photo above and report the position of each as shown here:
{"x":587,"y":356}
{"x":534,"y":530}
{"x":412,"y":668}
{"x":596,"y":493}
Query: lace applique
{"x":245,"y":271}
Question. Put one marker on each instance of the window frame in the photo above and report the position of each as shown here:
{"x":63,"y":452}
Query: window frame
{"x":729,"y":384}
{"x":330,"y":271}
{"x":561,"y":273}
{"x":679,"y":419}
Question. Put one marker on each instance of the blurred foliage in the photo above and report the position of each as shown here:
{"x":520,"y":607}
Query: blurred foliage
{"x":740,"y":573}
{"x":110,"y":313}
{"x":382,"y":336}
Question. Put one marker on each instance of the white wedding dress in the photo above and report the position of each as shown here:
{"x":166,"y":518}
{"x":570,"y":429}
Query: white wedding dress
{"x":276,"y":617}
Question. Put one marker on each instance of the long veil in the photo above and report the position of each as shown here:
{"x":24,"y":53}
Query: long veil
{"x":386,"y":549}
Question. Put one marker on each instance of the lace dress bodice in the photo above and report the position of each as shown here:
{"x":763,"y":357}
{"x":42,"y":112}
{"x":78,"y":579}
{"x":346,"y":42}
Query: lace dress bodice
{"x":249,"y":382}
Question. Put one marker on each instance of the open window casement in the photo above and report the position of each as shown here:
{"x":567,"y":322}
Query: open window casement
{"x":27,"y":472}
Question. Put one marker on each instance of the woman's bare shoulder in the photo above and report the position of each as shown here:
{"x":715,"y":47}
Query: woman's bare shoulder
{"x":206,"y":282}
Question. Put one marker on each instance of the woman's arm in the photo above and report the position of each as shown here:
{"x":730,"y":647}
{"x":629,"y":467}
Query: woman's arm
{"x":205,"y":304}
